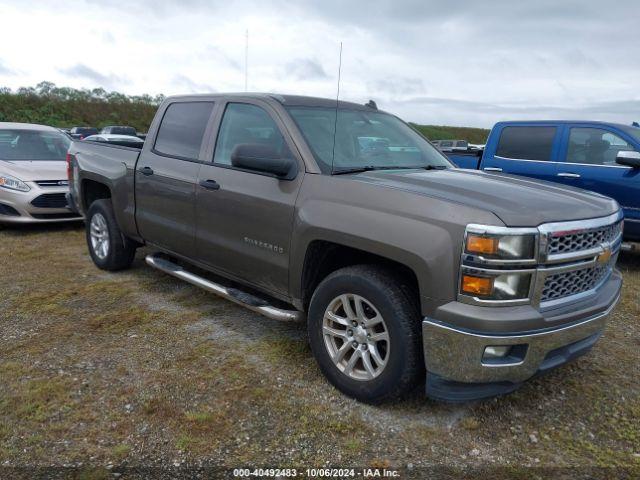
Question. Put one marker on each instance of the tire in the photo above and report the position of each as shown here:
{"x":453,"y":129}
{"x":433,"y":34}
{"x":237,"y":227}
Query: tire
{"x":379,"y":293}
{"x":109,"y":248}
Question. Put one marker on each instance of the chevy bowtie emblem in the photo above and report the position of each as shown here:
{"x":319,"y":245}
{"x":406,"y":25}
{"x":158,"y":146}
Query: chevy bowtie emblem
{"x":606,"y":254}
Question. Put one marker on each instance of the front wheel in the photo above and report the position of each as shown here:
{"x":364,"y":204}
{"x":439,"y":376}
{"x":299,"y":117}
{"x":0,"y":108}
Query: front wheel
{"x":365,"y":334}
{"x":109,"y":249}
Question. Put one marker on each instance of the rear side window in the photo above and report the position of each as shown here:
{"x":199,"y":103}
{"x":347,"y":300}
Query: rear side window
{"x":182,"y":129}
{"x":526,"y":143}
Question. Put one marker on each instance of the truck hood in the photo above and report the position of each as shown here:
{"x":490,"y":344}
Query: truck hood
{"x":37,"y":170}
{"x":517,"y":201}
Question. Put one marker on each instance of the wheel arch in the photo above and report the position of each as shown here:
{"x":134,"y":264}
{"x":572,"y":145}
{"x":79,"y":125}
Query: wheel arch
{"x":323,"y":257}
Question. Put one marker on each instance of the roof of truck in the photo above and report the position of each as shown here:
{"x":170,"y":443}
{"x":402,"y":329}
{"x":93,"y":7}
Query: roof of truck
{"x":534,"y":122}
{"x":288,"y":100}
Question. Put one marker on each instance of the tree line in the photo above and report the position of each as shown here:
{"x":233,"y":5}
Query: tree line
{"x":66,"y":107}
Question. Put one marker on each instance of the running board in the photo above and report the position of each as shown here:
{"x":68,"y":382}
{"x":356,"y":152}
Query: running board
{"x":237,"y":296}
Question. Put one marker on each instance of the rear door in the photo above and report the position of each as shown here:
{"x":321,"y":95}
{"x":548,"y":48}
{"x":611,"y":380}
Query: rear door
{"x":589,"y":162}
{"x":166,"y":177}
{"x":528,"y":150}
{"x":245,"y":219}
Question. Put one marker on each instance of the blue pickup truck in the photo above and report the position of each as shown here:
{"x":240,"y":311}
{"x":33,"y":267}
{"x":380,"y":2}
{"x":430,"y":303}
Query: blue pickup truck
{"x":597,"y":156}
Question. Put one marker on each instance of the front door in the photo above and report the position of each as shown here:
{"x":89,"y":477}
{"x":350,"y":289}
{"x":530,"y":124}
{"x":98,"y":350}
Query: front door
{"x":245,"y":219}
{"x":590,"y":163}
{"x":166,"y":176}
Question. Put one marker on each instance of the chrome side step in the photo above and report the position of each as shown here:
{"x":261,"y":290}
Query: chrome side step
{"x":237,"y":296}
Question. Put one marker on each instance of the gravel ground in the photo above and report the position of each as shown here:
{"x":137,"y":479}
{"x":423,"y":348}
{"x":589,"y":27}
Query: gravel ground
{"x":108,"y":373}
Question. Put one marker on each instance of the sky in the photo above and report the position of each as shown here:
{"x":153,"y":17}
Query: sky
{"x":455,"y":62}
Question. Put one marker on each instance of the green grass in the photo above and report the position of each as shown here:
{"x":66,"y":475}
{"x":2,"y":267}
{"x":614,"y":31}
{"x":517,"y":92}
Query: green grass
{"x":443,"y":132}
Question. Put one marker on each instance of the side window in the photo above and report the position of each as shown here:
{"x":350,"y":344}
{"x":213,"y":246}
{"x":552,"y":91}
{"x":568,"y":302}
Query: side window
{"x":594,"y":146}
{"x":526,"y":143}
{"x":182,"y":129}
{"x":243,"y":123}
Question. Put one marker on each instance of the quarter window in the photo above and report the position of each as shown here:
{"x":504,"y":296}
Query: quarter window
{"x":246,"y":124}
{"x":526,"y":143}
{"x":594,"y":146}
{"x":182,"y":129}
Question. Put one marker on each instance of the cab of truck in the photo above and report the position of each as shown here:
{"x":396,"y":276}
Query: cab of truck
{"x":597,"y":156}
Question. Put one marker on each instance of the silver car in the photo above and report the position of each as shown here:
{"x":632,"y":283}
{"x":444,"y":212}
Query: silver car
{"x":33,"y":174}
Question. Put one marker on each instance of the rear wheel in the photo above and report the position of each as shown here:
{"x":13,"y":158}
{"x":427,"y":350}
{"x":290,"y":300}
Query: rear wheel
{"x":365,"y":334}
{"x":109,"y":249}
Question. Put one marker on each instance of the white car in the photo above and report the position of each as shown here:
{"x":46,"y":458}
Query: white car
{"x":33,"y":174}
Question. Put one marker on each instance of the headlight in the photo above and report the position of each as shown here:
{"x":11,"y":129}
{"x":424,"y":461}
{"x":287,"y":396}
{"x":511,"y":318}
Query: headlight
{"x":500,"y":246}
{"x":497,"y":285}
{"x":12,"y":183}
{"x":498,"y":264}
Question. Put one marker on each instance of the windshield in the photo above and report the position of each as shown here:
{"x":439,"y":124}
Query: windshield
{"x":633,"y":131}
{"x":123,"y":131}
{"x":364,"y":140}
{"x":33,"y":145}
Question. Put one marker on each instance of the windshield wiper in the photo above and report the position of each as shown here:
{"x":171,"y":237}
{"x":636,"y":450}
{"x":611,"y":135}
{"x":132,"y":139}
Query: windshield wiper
{"x":369,"y":168}
{"x":434,"y":167}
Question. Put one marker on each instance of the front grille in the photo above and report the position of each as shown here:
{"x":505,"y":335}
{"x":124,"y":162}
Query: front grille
{"x":561,"y":242}
{"x":52,"y":183}
{"x":50,"y":200}
{"x":561,"y":285}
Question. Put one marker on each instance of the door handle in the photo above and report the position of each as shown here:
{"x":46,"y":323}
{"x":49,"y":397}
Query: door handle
{"x":492,"y":169}
{"x":146,"y":171}
{"x":569,"y":175}
{"x":210,"y":184}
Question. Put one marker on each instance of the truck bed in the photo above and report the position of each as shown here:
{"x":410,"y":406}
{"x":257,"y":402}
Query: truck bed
{"x":112,"y":166}
{"x":465,"y":159}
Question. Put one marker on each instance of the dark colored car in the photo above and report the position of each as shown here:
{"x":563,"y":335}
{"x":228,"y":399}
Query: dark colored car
{"x":79,"y":133}
{"x":119,"y":130}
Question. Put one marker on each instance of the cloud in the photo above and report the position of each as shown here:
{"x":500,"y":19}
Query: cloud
{"x":305,"y":69}
{"x":215,"y":55}
{"x":397,"y":86}
{"x":460,"y":62}
{"x":82,"y":71}
{"x":188,"y":85}
{"x":6,"y":71}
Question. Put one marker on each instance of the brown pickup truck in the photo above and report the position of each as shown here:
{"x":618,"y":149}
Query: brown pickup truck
{"x":404,"y":267}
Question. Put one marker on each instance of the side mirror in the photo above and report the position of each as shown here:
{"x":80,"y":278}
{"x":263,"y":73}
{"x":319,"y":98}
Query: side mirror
{"x":628,"y":158}
{"x":264,"y":159}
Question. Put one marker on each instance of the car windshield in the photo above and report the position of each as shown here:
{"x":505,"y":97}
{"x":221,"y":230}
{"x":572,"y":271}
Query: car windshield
{"x":33,"y":145}
{"x":122,"y":131}
{"x":364,"y":140}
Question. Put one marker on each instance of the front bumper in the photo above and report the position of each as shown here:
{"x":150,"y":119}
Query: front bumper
{"x":17,"y":207}
{"x":454,"y":355}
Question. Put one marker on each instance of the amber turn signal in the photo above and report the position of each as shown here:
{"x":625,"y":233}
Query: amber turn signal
{"x":478,"y":244}
{"x":477,"y":285}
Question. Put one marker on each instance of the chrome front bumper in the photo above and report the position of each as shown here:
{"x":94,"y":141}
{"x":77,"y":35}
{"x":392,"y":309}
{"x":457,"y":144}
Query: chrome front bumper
{"x":457,"y":355}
